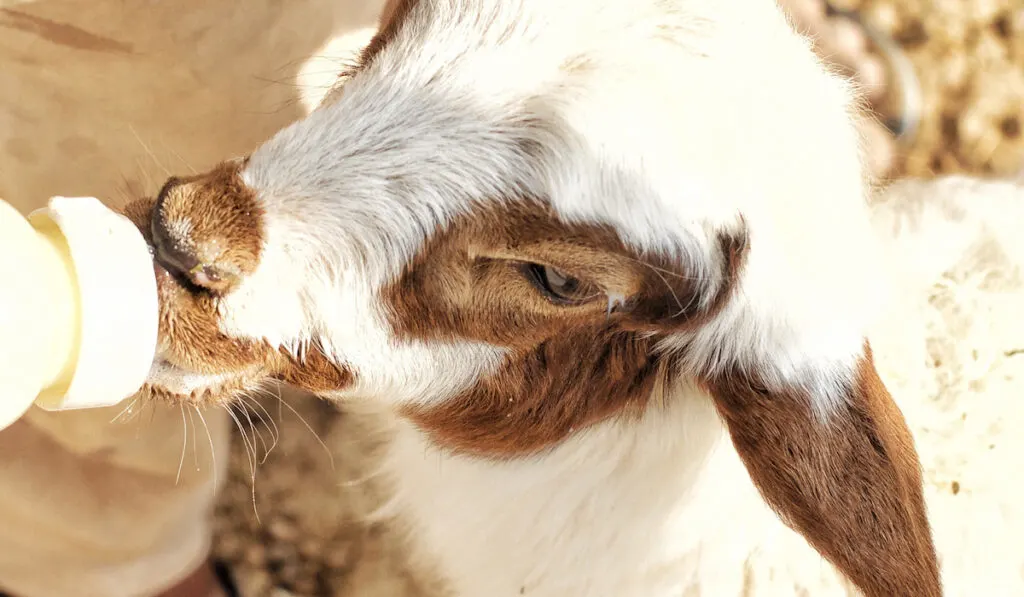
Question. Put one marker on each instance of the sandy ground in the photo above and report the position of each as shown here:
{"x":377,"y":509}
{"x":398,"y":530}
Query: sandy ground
{"x":969,"y":59}
{"x":297,"y":520}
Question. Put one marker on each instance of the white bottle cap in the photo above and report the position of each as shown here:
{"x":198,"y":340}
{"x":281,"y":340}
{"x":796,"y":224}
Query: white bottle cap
{"x":119,"y":307}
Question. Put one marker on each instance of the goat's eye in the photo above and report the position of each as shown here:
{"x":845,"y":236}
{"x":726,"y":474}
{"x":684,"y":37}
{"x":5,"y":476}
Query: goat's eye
{"x":558,"y":286}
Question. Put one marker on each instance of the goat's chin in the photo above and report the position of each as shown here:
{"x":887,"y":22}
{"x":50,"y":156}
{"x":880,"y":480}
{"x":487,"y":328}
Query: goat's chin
{"x":170,"y":383}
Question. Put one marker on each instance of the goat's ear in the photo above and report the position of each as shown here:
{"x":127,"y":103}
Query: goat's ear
{"x":392,"y":15}
{"x":391,"y":8}
{"x":836,"y":461}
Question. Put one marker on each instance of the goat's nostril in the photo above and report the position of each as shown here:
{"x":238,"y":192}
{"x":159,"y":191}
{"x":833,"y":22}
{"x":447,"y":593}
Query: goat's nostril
{"x":175,"y":260}
{"x":187,"y":267}
{"x":176,"y":251}
{"x":207,"y":230}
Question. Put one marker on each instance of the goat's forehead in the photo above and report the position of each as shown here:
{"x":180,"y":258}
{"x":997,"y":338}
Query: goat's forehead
{"x":485,"y":104}
{"x":434,"y":153}
{"x":433,"y":127}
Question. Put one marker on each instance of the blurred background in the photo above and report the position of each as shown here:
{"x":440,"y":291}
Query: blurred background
{"x":947,"y":74}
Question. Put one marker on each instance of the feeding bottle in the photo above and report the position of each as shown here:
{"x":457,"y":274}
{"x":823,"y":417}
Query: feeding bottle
{"x":78,"y":308}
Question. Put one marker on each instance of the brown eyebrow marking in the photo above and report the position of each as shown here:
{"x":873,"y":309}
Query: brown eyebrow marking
{"x":566,"y":369}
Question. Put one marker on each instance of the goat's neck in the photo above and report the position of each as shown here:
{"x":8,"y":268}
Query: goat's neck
{"x":624,"y":508}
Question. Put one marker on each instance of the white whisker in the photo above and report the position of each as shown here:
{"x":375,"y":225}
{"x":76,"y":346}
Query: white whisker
{"x":149,"y":151}
{"x":195,"y":454}
{"x":213,"y":452}
{"x":126,"y":410}
{"x":323,"y":444}
{"x":184,"y":443}
{"x":250,"y":452}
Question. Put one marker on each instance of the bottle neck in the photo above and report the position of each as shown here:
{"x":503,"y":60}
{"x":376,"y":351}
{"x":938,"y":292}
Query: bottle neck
{"x":63,"y":326}
{"x":38,"y":312}
{"x":115,"y":296}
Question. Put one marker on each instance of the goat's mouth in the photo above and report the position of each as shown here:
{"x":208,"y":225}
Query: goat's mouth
{"x":171,"y":382}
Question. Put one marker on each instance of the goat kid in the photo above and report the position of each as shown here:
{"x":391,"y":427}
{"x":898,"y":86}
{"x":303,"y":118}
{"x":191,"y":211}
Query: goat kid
{"x":564,"y":242}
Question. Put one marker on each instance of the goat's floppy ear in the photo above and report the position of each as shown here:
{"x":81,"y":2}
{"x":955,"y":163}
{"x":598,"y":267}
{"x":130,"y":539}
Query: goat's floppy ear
{"x":845,"y":475}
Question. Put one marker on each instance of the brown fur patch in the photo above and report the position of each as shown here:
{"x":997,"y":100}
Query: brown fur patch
{"x":313,"y":372}
{"x":569,"y":365}
{"x":208,"y":228}
{"x":190,"y":336}
{"x":851,"y":487}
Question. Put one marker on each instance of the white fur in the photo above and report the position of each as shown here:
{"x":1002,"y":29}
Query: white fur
{"x":670,"y":155}
{"x":612,"y":512}
{"x":679,"y":118}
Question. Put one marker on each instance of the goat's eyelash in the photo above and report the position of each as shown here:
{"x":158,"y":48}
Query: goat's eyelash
{"x":539,"y":275}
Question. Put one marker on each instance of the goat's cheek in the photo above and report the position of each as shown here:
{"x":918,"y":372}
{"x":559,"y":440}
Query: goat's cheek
{"x":191,"y":336}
